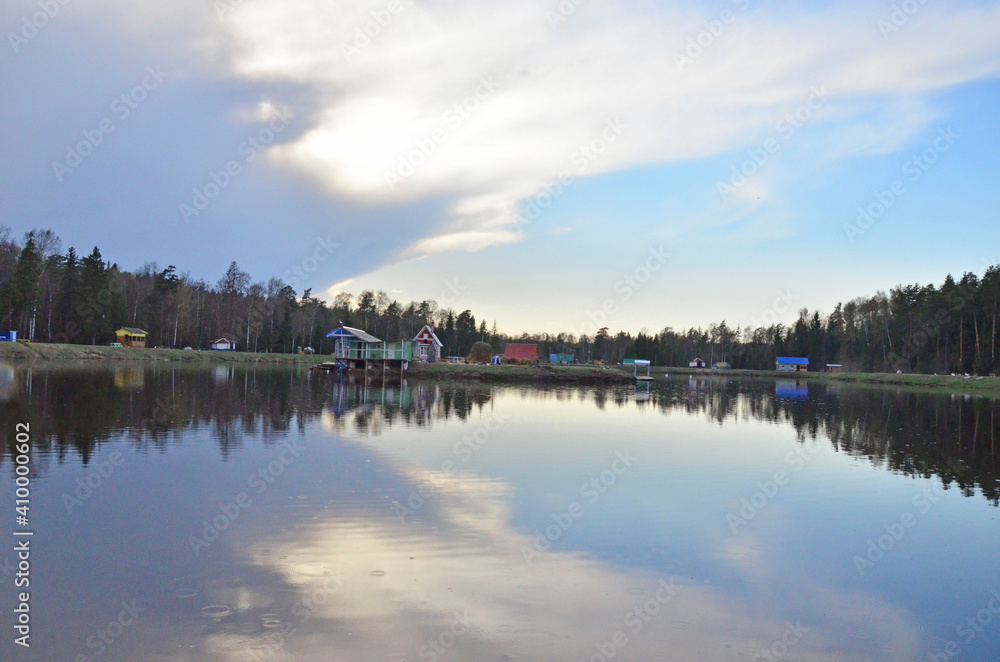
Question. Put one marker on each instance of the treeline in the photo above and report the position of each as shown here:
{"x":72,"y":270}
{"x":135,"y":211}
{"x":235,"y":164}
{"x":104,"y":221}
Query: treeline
{"x":50,"y":295}
{"x":913,"y":328}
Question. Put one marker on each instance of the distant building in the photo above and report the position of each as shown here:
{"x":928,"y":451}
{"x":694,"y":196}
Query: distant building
{"x":722,"y":365}
{"x":223,"y":345}
{"x":834,"y":367}
{"x":562,"y":358}
{"x":521,"y":352}
{"x":696,"y":363}
{"x":791,"y":364}
{"x":10,"y":336}
{"x":129,"y":336}
{"x":428,"y":345}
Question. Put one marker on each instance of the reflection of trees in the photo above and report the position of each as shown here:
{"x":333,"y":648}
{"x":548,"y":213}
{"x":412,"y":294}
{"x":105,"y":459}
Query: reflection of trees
{"x":916,"y":433}
{"x":911,"y":432}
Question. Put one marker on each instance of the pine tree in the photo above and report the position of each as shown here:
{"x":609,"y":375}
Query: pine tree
{"x":20,"y":293}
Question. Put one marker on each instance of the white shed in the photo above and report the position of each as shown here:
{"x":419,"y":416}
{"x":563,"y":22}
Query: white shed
{"x":223,"y":345}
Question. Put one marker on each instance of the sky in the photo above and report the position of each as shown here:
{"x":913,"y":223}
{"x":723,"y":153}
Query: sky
{"x":552,"y":166}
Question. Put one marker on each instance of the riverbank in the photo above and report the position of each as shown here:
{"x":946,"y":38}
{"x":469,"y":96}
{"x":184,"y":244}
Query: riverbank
{"x":61,"y":352}
{"x":543,"y":373}
{"x":947,"y":383}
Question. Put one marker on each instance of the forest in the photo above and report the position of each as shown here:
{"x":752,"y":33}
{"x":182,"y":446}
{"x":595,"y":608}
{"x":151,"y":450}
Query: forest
{"x":51,"y":295}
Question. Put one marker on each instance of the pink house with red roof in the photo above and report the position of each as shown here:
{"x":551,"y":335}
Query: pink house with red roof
{"x":428,"y":345}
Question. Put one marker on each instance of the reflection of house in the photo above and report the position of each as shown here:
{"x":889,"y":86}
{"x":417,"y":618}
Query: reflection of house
{"x":791,"y":364}
{"x":562,"y":358}
{"x":521,"y":352}
{"x":834,"y":367}
{"x":130,"y":337}
{"x":696,"y":363}
{"x":223,"y":345}
{"x":129,"y":377}
{"x":789,"y":389}
{"x":428,"y":345}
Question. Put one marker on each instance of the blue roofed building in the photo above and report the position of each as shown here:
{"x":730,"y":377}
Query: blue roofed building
{"x":791,"y":364}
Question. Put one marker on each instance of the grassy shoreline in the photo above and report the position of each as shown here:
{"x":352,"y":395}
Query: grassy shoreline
{"x":560,"y":374}
{"x":61,"y":352}
{"x":947,"y":383}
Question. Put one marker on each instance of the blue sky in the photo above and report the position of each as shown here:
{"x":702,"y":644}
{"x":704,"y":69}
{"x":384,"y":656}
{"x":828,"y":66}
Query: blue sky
{"x":321,"y":129}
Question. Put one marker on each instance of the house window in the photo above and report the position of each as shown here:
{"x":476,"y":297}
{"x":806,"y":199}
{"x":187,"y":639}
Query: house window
{"x":423,"y":350}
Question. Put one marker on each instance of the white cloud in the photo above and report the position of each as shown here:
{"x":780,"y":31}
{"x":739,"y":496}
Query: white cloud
{"x":530,"y":97}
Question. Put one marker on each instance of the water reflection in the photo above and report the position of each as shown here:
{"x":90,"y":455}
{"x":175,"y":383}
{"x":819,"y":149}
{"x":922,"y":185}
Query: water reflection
{"x":416,"y":522}
{"x":951,"y":436}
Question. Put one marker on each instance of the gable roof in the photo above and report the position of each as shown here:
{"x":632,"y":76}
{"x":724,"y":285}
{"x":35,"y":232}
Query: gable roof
{"x":132,"y":330}
{"x":363,"y":336}
{"x":791,"y":360}
{"x":427,"y":333}
{"x":520,"y":351}
{"x":218,"y":340}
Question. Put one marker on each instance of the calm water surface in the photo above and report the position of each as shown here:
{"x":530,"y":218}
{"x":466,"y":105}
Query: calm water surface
{"x":261,"y":513}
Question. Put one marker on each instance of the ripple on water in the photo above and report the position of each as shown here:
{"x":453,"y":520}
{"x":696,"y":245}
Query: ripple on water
{"x":309,"y":569}
{"x":185,"y":593}
{"x":216,"y":611}
{"x":378,"y":573}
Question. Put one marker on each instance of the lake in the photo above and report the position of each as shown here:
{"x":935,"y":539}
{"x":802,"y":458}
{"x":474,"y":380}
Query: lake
{"x":267,"y":513}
